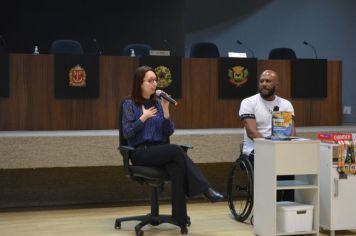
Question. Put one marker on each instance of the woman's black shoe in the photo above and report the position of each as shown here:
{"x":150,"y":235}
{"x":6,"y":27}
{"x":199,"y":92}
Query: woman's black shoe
{"x":212,"y":195}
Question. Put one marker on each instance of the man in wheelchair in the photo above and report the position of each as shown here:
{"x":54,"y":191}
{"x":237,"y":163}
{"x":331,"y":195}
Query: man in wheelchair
{"x":256,"y":116}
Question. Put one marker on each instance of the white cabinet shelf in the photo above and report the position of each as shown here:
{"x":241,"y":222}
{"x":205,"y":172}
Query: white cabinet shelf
{"x":298,"y":233}
{"x":278,"y":158}
{"x":297,"y":187}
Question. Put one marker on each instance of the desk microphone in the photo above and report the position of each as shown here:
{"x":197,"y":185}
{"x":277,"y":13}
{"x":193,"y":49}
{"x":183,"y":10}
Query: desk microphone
{"x":169,"y":47}
{"x":308,"y":44}
{"x":97,"y":47}
{"x":240,"y":43}
{"x":163,"y":95}
{"x":275,"y":108}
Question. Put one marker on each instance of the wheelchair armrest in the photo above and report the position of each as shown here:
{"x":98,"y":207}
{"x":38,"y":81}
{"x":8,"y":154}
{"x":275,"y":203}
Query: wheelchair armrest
{"x":186,"y":147}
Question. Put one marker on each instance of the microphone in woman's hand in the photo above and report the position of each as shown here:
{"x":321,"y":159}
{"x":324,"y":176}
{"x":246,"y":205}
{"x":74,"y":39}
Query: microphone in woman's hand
{"x":163,"y":95}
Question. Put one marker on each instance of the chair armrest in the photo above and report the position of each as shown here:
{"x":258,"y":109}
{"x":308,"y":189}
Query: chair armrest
{"x":126,"y":148}
{"x":186,"y":147}
{"x":125,"y":153}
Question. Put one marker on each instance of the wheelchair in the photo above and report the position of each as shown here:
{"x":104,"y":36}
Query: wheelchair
{"x":240,"y":187}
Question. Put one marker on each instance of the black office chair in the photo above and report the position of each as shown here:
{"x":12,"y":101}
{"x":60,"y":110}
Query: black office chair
{"x":140,"y":49}
{"x":204,"y":50}
{"x":66,"y":47}
{"x":156,"y":178}
{"x":282,"y":54}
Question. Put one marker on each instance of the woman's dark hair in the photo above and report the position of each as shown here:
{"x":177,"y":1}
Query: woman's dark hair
{"x":136,"y":92}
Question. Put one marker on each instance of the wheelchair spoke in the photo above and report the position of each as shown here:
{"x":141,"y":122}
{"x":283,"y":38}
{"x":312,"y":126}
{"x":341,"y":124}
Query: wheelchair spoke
{"x":240,"y":189}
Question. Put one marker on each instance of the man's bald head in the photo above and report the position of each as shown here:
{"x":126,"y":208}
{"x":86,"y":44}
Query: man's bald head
{"x":270,"y":74}
{"x":268,"y":84}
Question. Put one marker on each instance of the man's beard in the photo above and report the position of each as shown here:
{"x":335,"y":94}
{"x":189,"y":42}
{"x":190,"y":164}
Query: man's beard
{"x":269,"y":94}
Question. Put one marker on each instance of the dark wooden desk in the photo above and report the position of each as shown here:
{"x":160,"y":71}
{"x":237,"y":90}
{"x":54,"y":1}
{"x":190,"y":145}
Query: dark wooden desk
{"x":32,"y":106}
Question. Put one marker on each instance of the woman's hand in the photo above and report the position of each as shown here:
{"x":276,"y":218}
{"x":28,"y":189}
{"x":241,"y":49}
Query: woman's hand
{"x":148,"y":113}
{"x":165,"y":107}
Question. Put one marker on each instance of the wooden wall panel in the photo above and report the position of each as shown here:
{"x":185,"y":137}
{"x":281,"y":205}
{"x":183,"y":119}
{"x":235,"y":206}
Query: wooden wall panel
{"x":327,"y":111}
{"x":32,"y":105}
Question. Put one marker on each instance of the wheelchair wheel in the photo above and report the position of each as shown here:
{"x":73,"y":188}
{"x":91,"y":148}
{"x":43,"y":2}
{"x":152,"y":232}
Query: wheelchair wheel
{"x":240,"y":189}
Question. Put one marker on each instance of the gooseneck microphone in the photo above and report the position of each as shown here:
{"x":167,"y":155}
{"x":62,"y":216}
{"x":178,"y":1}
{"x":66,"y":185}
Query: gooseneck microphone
{"x":169,"y":47}
{"x":308,"y":44}
{"x":165,"y":96}
{"x":240,"y":43}
{"x":98,"y":49}
{"x":275,"y":108}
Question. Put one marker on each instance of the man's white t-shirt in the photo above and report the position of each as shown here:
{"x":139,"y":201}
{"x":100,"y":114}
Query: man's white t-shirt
{"x":255,"y":107}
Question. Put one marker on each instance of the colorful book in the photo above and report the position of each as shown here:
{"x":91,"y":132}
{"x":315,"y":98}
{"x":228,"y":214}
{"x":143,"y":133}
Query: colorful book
{"x":282,"y":122}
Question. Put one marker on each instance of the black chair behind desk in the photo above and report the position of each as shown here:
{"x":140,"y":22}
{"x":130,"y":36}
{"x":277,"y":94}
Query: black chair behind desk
{"x":140,"y":49}
{"x":204,"y":50}
{"x":156,"y":178}
{"x":282,"y":54}
{"x":66,"y":47}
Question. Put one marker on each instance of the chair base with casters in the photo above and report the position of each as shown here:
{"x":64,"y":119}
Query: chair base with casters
{"x":155,"y":178}
{"x":153,"y":218}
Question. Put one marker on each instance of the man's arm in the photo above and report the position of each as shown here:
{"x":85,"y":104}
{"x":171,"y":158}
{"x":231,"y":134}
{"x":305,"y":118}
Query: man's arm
{"x":251,"y":128}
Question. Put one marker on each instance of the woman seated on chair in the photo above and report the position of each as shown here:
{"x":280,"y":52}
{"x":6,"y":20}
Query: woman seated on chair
{"x":147,"y":126}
